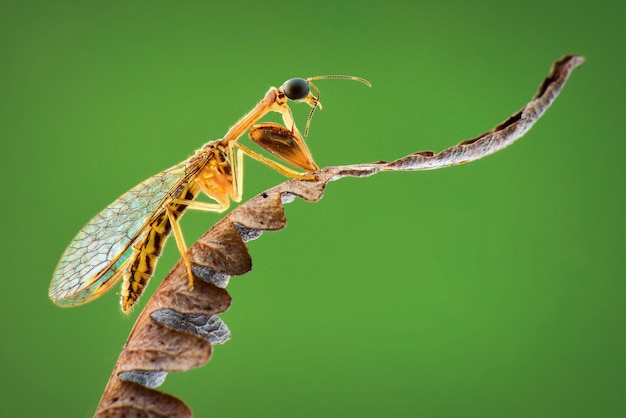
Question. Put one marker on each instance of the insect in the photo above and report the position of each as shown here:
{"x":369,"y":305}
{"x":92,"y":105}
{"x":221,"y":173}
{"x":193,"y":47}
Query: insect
{"x":126,"y":238}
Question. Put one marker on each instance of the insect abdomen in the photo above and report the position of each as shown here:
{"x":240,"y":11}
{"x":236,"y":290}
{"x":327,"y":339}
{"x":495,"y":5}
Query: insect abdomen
{"x":147,"y":253}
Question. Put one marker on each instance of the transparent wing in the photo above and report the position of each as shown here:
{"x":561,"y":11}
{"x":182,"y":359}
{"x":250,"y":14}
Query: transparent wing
{"x":95,"y":258}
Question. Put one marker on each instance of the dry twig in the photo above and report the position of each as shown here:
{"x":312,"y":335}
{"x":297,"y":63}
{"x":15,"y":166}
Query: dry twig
{"x":177,"y":328}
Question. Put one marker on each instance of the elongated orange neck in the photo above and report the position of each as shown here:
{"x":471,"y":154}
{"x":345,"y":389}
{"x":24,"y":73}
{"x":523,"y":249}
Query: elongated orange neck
{"x":272,"y":100}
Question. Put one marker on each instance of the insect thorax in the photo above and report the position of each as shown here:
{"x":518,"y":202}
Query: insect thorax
{"x":214,"y":171}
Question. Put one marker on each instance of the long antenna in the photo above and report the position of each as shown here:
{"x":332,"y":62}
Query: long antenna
{"x":317,"y":103}
{"x":341,"y":77}
{"x":317,"y":99}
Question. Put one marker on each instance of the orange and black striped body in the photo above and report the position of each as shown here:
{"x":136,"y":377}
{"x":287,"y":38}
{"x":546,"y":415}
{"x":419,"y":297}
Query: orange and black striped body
{"x":147,"y":252}
{"x":212,"y":175}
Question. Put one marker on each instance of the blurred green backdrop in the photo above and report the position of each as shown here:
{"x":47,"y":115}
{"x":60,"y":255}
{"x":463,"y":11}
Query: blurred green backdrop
{"x":494,"y":289}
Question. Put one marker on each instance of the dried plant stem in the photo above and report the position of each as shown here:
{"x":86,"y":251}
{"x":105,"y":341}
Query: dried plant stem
{"x":177,"y":328}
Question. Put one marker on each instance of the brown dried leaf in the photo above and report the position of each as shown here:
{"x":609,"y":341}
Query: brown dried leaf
{"x":177,"y":328}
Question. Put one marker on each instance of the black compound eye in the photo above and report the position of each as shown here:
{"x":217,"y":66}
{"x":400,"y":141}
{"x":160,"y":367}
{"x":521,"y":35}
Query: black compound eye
{"x":296,"y":88}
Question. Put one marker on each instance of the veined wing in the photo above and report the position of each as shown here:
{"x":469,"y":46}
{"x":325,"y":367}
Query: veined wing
{"x":95,"y":258}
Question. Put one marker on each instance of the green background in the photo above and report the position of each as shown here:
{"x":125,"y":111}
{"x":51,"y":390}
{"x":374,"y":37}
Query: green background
{"x":495,"y":289}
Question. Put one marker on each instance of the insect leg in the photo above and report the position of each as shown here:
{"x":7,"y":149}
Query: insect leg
{"x":236,"y":164}
{"x":180,"y":243}
{"x":178,"y":233}
{"x":284,"y":170}
{"x":202,"y":206}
